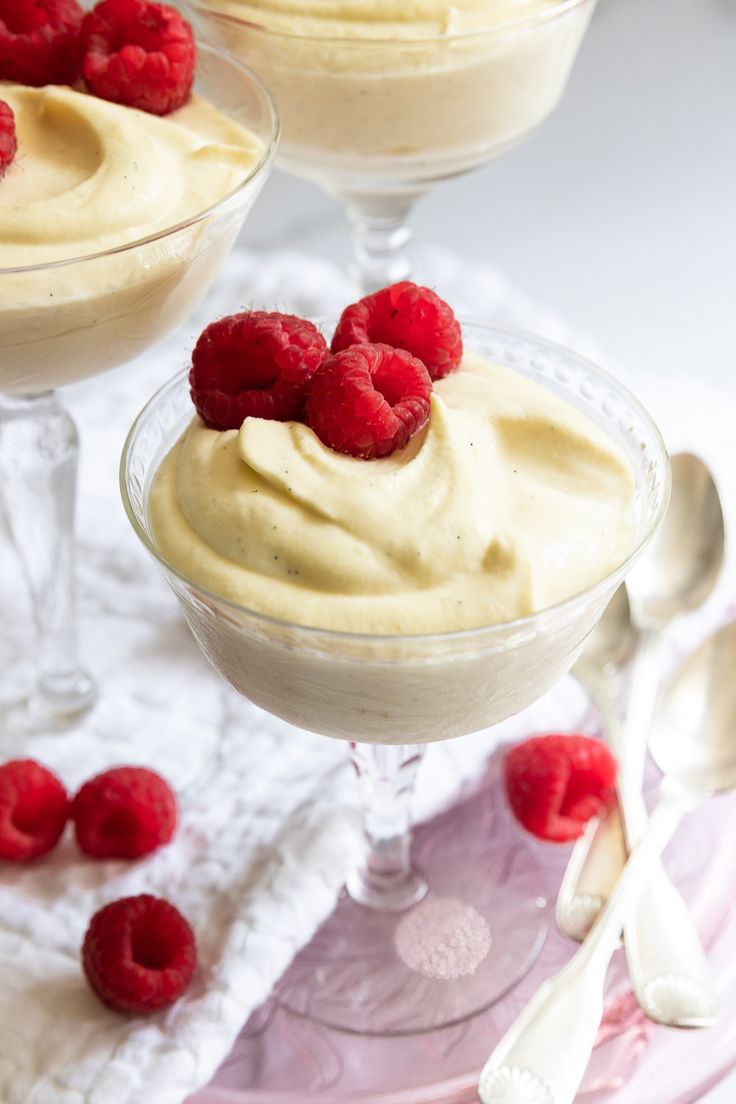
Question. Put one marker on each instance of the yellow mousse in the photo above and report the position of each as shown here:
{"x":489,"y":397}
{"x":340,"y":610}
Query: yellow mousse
{"x":90,"y":177}
{"x":386,"y":18}
{"x":509,"y":501}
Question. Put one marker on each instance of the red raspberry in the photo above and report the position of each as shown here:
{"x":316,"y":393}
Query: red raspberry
{"x":254,"y":365}
{"x":8,"y":140}
{"x":124,"y":813}
{"x":139,"y":954}
{"x":34,"y":809}
{"x":407,"y":317}
{"x":369,"y":400}
{"x":39,"y":41}
{"x":140,"y":54}
{"x":556,"y":783}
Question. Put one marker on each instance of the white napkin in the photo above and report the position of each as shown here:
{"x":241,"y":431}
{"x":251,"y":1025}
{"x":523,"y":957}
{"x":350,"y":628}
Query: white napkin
{"x":267,"y":835}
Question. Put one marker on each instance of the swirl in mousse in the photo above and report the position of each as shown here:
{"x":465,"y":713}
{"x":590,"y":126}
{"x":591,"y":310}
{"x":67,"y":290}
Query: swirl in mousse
{"x":507,"y":501}
{"x":92,"y":177}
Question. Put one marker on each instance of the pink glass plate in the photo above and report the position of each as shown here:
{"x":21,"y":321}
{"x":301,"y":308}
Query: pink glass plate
{"x":281,"y":1058}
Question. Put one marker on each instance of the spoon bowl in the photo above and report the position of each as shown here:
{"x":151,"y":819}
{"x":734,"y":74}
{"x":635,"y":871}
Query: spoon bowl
{"x":683,"y":561}
{"x":693,"y":737}
{"x":613,"y":640}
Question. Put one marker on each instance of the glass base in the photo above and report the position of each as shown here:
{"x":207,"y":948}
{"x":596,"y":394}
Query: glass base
{"x":62,"y":700}
{"x":473,"y":937}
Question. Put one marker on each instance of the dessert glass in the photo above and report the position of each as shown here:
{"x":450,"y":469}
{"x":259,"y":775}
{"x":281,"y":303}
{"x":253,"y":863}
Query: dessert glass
{"x":377,"y":121}
{"x":384,"y":963}
{"x":67,"y":320}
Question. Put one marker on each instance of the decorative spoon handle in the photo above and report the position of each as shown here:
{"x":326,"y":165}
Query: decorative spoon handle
{"x":668,"y":968}
{"x":669,"y":971}
{"x":543,"y":1055}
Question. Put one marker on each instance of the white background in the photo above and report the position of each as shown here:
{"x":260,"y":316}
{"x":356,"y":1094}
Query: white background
{"x":620,"y":212}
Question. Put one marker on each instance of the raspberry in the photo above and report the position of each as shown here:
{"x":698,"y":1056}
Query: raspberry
{"x":408,"y":317}
{"x":369,"y":400}
{"x":139,"y":954}
{"x":124,"y":813}
{"x":34,"y":809}
{"x":8,"y":140}
{"x":556,"y":783}
{"x":140,"y":54}
{"x":254,"y":365}
{"x":39,"y":41}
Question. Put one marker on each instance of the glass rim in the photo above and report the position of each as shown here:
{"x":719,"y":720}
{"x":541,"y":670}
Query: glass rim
{"x":499,"y":629}
{"x":561,"y":7}
{"x":214,"y":208}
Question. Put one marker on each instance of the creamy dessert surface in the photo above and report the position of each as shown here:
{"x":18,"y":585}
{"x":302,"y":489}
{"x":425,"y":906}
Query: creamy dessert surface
{"x":509,"y":501}
{"x":386,"y":18}
{"x":92,"y":175}
{"x":405,"y":91}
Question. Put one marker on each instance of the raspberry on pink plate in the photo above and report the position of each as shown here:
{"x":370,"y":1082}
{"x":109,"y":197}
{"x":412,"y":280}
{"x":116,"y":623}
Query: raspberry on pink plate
{"x":556,"y":783}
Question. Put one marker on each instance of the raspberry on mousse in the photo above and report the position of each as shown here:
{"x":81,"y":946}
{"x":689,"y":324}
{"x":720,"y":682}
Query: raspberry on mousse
{"x":39,"y":41}
{"x":369,"y":400}
{"x":8,"y":139}
{"x":255,"y":364}
{"x":557,"y":782}
{"x":405,"y":316}
{"x":138,"y":53}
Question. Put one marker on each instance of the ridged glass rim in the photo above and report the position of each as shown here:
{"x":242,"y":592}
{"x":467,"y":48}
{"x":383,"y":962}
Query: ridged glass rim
{"x":502,"y":628}
{"x":561,"y":8}
{"x":214,"y":208}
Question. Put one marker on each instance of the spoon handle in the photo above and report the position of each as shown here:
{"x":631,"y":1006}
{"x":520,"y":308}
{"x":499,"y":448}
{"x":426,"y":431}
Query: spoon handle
{"x":599,"y":855}
{"x":543,"y":1055}
{"x":669,"y":971}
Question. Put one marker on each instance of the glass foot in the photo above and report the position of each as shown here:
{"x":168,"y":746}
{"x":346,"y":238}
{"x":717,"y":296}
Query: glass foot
{"x":474,"y":936}
{"x":62,"y":700}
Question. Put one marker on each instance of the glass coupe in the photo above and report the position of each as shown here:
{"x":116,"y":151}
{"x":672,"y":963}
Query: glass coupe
{"x":410,"y":949}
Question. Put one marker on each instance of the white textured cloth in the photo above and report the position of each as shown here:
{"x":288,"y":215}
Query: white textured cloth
{"x":269,"y":831}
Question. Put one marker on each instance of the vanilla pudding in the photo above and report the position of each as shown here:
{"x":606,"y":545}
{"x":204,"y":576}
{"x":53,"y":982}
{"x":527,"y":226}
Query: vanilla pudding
{"x":92,"y":177}
{"x":509,"y":501}
{"x":515,"y":498}
{"x":407,"y":91}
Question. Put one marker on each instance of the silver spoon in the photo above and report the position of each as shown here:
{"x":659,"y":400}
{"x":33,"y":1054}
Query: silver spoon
{"x":600,"y":854}
{"x":543,"y":1055}
{"x":667,"y":965}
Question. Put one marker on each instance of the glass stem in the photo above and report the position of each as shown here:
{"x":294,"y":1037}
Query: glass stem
{"x":39,"y":447}
{"x":380,"y":239}
{"x":386,"y":775}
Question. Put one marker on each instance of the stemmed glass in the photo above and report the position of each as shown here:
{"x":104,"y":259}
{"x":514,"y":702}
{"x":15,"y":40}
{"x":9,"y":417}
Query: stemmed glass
{"x":377,"y":113}
{"x":388,"y":960}
{"x":64,"y":321}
